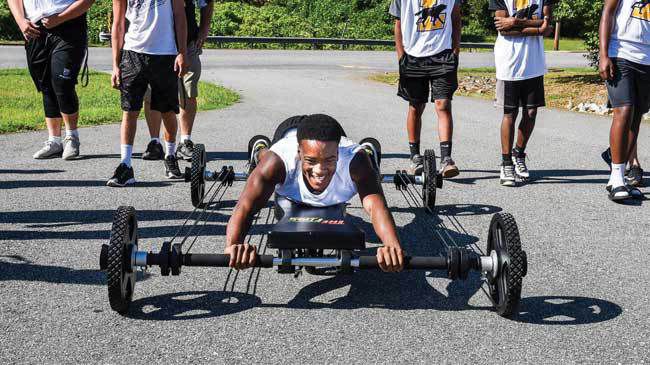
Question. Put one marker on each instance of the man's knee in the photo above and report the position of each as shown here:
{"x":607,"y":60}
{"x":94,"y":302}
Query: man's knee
{"x":443,"y":105}
{"x":66,"y":95}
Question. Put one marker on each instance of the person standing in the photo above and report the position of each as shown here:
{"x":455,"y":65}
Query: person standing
{"x":624,"y":63}
{"x":520,"y":69}
{"x":427,"y":40}
{"x":188,"y":86}
{"x":56,"y":42}
{"x":151,"y":52}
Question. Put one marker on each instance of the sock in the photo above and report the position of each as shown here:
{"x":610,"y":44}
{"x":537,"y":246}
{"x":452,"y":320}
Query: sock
{"x":156,"y":139}
{"x":72,"y":133}
{"x":186,"y":137}
{"x":414,"y":147}
{"x":125,"y":153}
{"x":518,"y":152}
{"x":507,"y":159}
{"x":55,"y":139}
{"x":445,"y":149}
{"x":616,"y":178}
{"x":171,"y":148}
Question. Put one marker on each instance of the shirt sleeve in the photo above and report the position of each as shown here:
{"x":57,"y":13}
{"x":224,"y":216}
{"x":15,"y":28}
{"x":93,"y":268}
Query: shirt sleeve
{"x":498,"y":5}
{"x":396,"y":8}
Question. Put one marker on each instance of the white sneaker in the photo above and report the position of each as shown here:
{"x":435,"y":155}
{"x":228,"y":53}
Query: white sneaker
{"x":71,"y":147}
{"x":507,"y":176}
{"x":50,"y":150}
{"x":520,"y":166}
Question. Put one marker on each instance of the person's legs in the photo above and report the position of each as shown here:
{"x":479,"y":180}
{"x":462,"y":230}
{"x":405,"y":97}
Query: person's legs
{"x":169,"y":134}
{"x":415,"y":90}
{"x":507,"y":171}
{"x":526,"y":126}
{"x":442,"y":92}
{"x":154,"y":149}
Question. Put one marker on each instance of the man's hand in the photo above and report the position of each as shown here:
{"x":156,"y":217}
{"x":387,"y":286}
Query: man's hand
{"x":203,"y":35}
{"x":29,"y":30}
{"x":242,"y":256}
{"x":606,"y":68}
{"x":504,"y":24}
{"x":390,"y":258}
{"x":52,"y":21}
{"x":456,"y":51}
{"x":115,"y":78}
{"x":180,"y":65}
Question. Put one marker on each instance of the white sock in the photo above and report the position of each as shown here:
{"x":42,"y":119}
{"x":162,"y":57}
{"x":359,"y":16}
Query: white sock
{"x":156,"y":139}
{"x":185,"y":137}
{"x":55,"y":139}
{"x":171,"y":148}
{"x":617,"y":176}
{"x":125,"y":153}
{"x":72,"y":133}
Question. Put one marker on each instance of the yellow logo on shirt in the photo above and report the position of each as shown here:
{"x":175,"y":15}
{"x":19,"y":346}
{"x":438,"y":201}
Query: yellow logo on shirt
{"x":525,"y":10}
{"x":432,"y":16}
{"x":641,"y":10}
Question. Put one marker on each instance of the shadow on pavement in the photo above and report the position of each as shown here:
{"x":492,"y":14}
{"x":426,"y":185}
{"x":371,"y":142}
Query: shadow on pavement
{"x":541,"y":177}
{"x":29,"y":172}
{"x":565,"y":310}
{"x":21,"y":184}
{"x":191,"y":305}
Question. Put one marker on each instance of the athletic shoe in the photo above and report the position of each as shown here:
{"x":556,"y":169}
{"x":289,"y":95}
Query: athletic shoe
{"x":370,"y":150}
{"x":185,"y":150}
{"x":520,"y":166}
{"x":71,"y":147}
{"x":253,"y":159}
{"x":607,"y":157}
{"x":507,"y":176}
{"x":50,"y":150}
{"x":619,"y":193}
{"x":448,"y":168}
{"x":635,"y":176}
{"x":417,"y":165}
{"x":154,"y":151}
{"x":171,"y":168}
{"x":123,"y":176}
{"x":634,"y":192}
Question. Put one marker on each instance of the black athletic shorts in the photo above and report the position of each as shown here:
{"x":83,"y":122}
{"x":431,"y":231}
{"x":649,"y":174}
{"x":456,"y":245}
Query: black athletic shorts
{"x":527,"y":93}
{"x":631,"y":85}
{"x":418,"y":75}
{"x":137,"y":70}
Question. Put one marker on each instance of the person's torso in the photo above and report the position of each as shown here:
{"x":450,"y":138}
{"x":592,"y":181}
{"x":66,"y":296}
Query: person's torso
{"x":151,"y":27}
{"x":340,"y":190}
{"x":36,"y":10}
{"x":631,"y":32}
{"x":426,"y":26}
{"x":521,"y":58}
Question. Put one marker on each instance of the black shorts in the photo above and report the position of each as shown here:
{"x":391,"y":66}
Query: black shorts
{"x":631,"y":85}
{"x":418,"y":75}
{"x":137,"y":71}
{"x":527,"y":93}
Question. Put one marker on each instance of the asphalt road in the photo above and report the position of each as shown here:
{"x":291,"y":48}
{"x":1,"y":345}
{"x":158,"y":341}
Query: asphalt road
{"x":584,"y":299}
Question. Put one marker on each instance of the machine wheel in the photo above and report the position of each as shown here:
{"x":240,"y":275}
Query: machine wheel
{"x":121,"y":274}
{"x":505,"y":287}
{"x":375,"y":143}
{"x":197,"y":183}
{"x":430,"y":183}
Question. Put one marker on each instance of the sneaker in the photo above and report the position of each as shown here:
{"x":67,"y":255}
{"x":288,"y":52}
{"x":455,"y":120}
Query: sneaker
{"x":634,"y":192}
{"x":123,"y":176}
{"x":185,"y":150}
{"x":154,"y":151}
{"x":417,"y":165}
{"x":448,"y":168}
{"x":635,"y":176}
{"x":618,"y":193}
{"x":607,"y":157}
{"x":507,"y":176}
{"x":71,"y":147}
{"x":253,"y":159}
{"x":370,"y":150}
{"x":520,"y":166}
{"x":172,"y":171}
{"x":50,"y":150}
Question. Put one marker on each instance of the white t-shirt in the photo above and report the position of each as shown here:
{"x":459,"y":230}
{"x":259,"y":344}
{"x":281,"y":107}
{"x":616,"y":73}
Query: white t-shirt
{"x":519,"y":58}
{"x":426,"y":25}
{"x":151,"y":27}
{"x":341,"y":188}
{"x":631,"y":34}
{"x":36,"y":10}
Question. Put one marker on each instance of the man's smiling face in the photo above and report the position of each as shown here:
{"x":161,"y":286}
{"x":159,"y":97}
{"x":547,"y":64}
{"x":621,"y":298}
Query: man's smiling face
{"x":318,"y":159}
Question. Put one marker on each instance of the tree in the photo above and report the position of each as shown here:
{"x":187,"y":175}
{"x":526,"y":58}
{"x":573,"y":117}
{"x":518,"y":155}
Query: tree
{"x":586,"y":13}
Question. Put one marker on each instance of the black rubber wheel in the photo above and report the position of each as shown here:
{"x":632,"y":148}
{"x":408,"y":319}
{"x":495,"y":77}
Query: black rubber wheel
{"x":430,"y":176}
{"x":197,"y":182}
{"x":505,"y":287}
{"x":375,"y":143}
{"x":121,"y":275}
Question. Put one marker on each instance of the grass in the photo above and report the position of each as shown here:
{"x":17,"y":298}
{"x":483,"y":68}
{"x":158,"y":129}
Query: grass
{"x":566,"y":44}
{"x":22,"y":109}
{"x":562,"y":86}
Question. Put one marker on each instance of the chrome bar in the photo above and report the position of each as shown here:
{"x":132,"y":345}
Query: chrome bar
{"x":390,"y":179}
{"x":241,"y":176}
{"x":490,"y":263}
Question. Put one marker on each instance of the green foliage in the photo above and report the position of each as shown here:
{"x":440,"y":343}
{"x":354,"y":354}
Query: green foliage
{"x":8,"y":28}
{"x":585,"y":14}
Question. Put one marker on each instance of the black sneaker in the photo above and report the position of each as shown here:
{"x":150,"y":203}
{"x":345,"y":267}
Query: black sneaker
{"x":122,"y":177}
{"x":171,"y":168}
{"x":154,"y":151}
{"x":635,"y":176}
{"x":607,"y":157}
{"x":184,"y":150}
{"x":416,"y":166}
{"x":257,"y":146}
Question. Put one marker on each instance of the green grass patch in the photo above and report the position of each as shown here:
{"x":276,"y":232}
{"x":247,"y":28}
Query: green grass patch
{"x":22,"y":108}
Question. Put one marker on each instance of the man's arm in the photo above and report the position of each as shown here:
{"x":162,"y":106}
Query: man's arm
{"x":457,"y":27}
{"x":390,"y":257}
{"x":399,"y":44}
{"x":258,"y":190}
{"x":180,"y":25}
{"x":117,"y":38}
{"x":532,"y":28}
{"x":73,"y":11}
{"x":605,"y":65}
{"x":204,"y":24}
{"x":29,"y":30}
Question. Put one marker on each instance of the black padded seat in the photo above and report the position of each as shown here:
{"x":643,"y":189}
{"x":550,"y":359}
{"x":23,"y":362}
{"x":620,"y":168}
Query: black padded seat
{"x":308,"y":227}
